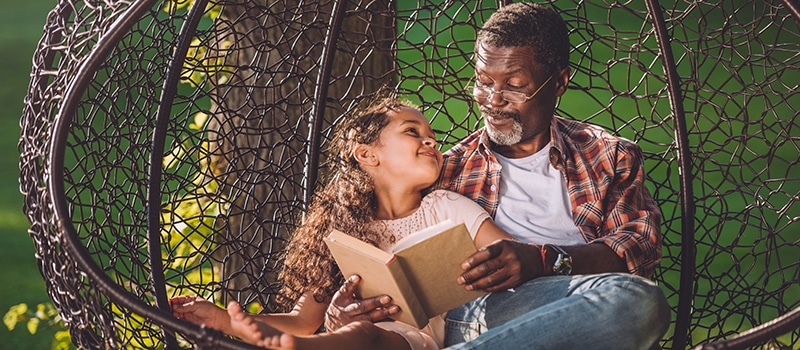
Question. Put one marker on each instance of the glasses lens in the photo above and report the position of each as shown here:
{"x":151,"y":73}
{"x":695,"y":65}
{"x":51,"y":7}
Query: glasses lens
{"x":513,"y":96}
{"x":510,"y":96}
{"x":478,"y":92}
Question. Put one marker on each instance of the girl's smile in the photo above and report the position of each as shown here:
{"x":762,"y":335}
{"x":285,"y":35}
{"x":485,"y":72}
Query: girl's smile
{"x":405,"y":157}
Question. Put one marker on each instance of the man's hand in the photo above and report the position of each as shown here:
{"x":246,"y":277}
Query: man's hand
{"x":345,"y":308}
{"x":501,"y":265}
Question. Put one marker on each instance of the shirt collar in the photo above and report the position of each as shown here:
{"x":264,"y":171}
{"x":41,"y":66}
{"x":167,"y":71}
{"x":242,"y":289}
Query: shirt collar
{"x":557,"y":145}
{"x":483,"y":140}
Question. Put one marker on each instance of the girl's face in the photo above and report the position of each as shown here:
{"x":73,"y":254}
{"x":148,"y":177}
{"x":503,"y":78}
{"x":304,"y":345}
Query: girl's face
{"x":406,"y":150}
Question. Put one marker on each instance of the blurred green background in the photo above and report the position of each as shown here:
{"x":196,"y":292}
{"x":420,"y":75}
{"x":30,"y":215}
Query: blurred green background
{"x":21,"y":24}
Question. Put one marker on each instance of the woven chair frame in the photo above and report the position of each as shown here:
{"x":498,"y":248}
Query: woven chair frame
{"x":170,"y":147}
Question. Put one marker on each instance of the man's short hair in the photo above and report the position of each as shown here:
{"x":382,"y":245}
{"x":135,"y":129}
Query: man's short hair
{"x":529,"y":24}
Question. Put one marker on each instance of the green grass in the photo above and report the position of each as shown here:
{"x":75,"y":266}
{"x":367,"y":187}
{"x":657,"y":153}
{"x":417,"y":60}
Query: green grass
{"x":21,"y":26}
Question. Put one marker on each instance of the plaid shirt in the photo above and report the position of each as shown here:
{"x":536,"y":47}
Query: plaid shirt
{"x":605,"y":178}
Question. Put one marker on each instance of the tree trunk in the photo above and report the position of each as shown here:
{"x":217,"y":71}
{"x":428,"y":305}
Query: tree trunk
{"x":260,"y":121}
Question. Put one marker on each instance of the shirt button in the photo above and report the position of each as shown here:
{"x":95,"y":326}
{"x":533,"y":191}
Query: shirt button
{"x":493,"y":188}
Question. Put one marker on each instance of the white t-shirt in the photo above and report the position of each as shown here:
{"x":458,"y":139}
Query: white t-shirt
{"x":534,"y":204}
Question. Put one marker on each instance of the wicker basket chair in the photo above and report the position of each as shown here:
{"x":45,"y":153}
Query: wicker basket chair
{"x":169,"y":147}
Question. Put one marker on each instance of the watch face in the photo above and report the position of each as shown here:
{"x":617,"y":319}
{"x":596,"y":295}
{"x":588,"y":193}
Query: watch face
{"x":565,"y":268}
{"x":563,"y":264}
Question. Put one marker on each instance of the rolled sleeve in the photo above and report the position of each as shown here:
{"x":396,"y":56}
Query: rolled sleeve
{"x":632,"y":227}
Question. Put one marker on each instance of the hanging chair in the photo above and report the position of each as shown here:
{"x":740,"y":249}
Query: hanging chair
{"x":169,"y":148}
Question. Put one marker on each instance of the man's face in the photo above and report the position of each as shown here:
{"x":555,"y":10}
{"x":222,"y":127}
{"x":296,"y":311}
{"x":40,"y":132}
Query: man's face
{"x":514,"y":69}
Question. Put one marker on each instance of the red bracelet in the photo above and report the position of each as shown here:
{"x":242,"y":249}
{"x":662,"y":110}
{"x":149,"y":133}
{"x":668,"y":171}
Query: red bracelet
{"x":543,"y":253}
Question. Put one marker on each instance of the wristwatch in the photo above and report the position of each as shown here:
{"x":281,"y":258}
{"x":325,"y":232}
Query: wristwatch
{"x":563,"y":264}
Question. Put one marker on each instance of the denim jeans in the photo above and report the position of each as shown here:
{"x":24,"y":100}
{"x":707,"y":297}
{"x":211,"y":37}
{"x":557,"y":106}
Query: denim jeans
{"x":604,"y":311}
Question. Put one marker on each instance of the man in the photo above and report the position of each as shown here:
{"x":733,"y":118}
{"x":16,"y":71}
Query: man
{"x":572,"y":194}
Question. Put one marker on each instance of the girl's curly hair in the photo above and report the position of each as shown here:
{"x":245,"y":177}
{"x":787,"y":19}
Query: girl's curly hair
{"x":347,"y":203}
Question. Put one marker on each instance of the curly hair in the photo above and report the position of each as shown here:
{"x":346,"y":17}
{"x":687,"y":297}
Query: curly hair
{"x":346,"y":203}
{"x":529,"y":24}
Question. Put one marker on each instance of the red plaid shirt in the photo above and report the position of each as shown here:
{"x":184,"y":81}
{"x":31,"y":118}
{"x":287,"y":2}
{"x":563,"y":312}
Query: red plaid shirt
{"x":605,"y":178}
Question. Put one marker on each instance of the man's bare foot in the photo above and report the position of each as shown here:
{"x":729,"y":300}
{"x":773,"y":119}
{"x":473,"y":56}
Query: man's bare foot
{"x":248,"y":328}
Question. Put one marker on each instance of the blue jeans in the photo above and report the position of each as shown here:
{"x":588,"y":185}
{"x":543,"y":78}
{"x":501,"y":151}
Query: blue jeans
{"x":605,"y":311}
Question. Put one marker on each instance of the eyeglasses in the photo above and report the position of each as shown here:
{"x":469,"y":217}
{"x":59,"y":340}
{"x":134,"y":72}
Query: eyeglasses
{"x":508,"y":95}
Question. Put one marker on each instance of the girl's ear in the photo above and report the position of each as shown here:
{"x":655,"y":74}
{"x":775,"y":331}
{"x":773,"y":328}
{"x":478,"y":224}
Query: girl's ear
{"x":364,"y":155}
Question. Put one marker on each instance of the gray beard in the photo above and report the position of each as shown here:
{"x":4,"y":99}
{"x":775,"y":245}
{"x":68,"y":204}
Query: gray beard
{"x":505,"y":139}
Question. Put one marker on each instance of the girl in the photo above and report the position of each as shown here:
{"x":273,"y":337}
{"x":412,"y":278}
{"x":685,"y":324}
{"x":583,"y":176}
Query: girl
{"x":387,"y":157}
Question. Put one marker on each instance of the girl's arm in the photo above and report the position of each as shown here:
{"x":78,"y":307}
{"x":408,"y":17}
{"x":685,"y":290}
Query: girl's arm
{"x":304,"y":319}
{"x":455,"y":207}
{"x":490,"y":270}
{"x":489,"y":232}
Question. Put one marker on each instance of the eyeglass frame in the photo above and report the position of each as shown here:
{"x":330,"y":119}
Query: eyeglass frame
{"x":491,"y":91}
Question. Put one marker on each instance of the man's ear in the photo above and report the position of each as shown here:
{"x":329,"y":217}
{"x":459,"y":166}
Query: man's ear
{"x":364,"y":155}
{"x":562,"y":80}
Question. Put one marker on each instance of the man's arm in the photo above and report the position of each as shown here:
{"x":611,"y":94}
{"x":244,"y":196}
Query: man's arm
{"x":632,"y":221}
{"x":507,"y":264}
{"x":629,"y":238}
{"x":591,"y":259}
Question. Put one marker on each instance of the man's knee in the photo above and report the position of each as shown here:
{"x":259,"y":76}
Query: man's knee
{"x":645,"y":305}
{"x":653,"y":301}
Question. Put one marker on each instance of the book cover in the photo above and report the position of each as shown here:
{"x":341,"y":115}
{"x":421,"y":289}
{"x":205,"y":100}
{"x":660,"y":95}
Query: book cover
{"x":419,"y":273}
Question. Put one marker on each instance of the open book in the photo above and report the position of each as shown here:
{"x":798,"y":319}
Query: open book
{"x":419,"y":273}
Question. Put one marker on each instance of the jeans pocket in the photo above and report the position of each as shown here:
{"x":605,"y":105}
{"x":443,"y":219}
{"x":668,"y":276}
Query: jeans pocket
{"x":457,"y":331}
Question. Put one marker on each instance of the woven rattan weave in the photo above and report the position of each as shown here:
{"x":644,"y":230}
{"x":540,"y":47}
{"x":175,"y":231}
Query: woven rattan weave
{"x":169,"y":147}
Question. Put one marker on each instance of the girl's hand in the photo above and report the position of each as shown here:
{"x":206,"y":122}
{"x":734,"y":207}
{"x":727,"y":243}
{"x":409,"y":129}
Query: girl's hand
{"x":345,"y":308}
{"x":200,"y":311}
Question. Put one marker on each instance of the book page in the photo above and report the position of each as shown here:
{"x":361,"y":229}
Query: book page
{"x":422,"y":235}
{"x":380,"y":273}
{"x":433,"y":264}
